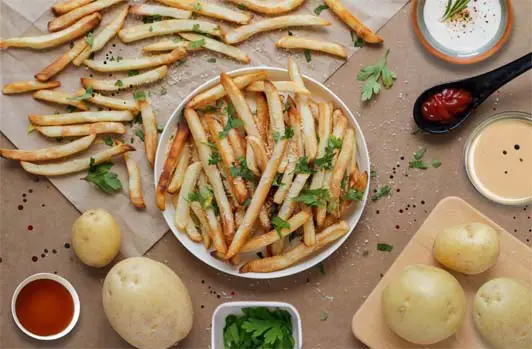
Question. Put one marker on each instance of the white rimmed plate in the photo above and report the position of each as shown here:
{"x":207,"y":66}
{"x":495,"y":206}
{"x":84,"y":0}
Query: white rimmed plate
{"x":319,"y":93}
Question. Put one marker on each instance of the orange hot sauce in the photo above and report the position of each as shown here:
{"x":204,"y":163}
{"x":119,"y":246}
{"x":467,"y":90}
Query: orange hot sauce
{"x":44,"y":307}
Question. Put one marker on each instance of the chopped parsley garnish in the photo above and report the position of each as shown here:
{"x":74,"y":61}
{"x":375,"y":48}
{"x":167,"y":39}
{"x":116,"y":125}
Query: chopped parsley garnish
{"x":314,"y":197}
{"x":210,"y":145}
{"x":242,"y":7}
{"x":277,"y":180}
{"x":325,"y":162}
{"x":373,"y":173}
{"x":372,"y":73}
{"x":280,"y":224}
{"x":320,"y":8}
{"x":288,"y":134}
{"x":321,"y":267}
{"x":197,"y":6}
{"x":163,"y":91}
{"x":108,"y":140}
{"x":215,"y":158}
{"x":436,"y":163}
{"x":241,"y":169}
{"x":71,"y":109}
{"x":160,"y":128}
{"x":138,"y":119}
{"x":139,"y":95}
{"x":324,"y":316}
{"x":140,"y":133}
{"x":303,"y":166}
{"x":90,"y":39}
{"x":178,"y":39}
{"x":151,"y":19}
{"x":119,"y":83}
{"x":88,"y":94}
{"x":308,"y":56}
{"x":354,"y":195}
{"x":232,"y":122}
{"x":357,"y":42}
{"x":204,"y":197}
{"x":133,"y":72}
{"x":384,"y":247}
{"x":417,"y":161}
{"x":100,"y":175}
{"x":196,"y":43}
{"x":196,"y":28}
{"x":383,"y":191}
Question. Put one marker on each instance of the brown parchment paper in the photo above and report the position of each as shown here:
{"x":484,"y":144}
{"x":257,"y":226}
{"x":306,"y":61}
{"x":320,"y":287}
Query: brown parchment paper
{"x":142,"y":229}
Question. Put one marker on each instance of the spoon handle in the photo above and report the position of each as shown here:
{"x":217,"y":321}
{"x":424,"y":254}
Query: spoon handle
{"x":489,"y":82}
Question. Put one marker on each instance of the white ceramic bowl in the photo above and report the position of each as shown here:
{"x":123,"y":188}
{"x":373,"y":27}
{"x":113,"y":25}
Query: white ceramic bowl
{"x":235,"y":308}
{"x":319,"y":93}
{"x":63,"y":282}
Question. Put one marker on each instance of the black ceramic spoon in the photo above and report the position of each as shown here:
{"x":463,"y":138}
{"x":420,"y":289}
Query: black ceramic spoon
{"x":481,"y":87}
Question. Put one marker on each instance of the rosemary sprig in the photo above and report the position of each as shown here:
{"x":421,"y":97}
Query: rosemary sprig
{"x":453,"y":8}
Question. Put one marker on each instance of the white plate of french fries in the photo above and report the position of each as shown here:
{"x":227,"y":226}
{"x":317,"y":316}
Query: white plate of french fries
{"x":244,"y":185}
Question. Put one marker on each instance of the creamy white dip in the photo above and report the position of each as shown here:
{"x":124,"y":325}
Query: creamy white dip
{"x":465,"y":33}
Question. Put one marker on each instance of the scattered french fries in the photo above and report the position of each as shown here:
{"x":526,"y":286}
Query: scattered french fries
{"x":151,"y":137}
{"x":209,"y":9}
{"x":170,"y":26}
{"x":68,"y":5}
{"x":294,"y":42}
{"x":179,"y":173}
{"x":218,"y":46}
{"x":80,"y":118}
{"x":182,"y":211}
{"x":281,"y":86}
{"x":269,"y":7}
{"x":157,"y":10}
{"x":59,"y":64}
{"x":76,"y":30}
{"x":59,"y":98}
{"x":134,"y":181}
{"x":69,"y":18}
{"x":129,"y":82}
{"x":246,"y":31}
{"x":136,"y":63}
{"x":81,"y":130}
{"x":111,"y":102}
{"x":28,"y":86}
{"x":172,"y":44}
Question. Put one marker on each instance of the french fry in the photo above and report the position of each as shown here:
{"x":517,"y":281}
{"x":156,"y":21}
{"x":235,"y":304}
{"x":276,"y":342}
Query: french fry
{"x":171,"y":44}
{"x":307,"y":121}
{"x":55,"y":39}
{"x":204,"y":151}
{"x":284,"y":86}
{"x":217,"y":91}
{"x":81,"y":130}
{"x":259,"y":152}
{"x":324,"y":131}
{"x":238,"y":143}
{"x":269,"y":7}
{"x":228,"y":159}
{"x":156,"y":10}
{"x":250,"y":160}
{"x":77,"y":165}
{"x":69,"y":18}
{"x":59,"y":64}
{"x":129,"y":82}
{"x":264,"y":216}
{"x":50,"y":153}
{"x":296,"y":254}
{"x":218,"y":46}
{"x":204,"y":224}
{"x":309,"y":230}
{"x":103,"y":37}
{"x":314,"y":109}
{"x":295,"y":42}
{"x":217,"y":237}
{"x":352,"y":168}
{"x":134,"y":181}
{"x":263,"y":122}
{"x":192,"y":231}
{"x":289,"y":205}
{"x":179,"y":173}
{"x":80,"y":117}
{"x":182,"y":211}
{"x":275,"y":108}
{"x":257,"y":200}
{"x":136,"y":63}
{"x":339,"y":129}
{"x":59,"y":98}
{"x":339,"y":171}
{"x":111,"y":102}
{"x":246,"y":31}
{"x":166,"y":27}
{"x":68,"y":5}
{"x":169,"y":165}
{"x":261,"y":241}
{"x":209,"y":9}
{"x":151,"y":136}
{"x":28,"y":86}
{"x":354,"y":23}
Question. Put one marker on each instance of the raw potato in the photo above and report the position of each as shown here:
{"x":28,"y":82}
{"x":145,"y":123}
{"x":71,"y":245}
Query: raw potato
{"x":502,"y":310}
{"x":96,"y":238}
{"x":424,"y":304}
{"x":470,"y":248}
{"x":146,"y":303}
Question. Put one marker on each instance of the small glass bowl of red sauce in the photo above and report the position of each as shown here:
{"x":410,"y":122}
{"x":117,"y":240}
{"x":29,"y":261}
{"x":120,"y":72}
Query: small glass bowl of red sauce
{"x":445,"y":106}
{"x":45,"y":306}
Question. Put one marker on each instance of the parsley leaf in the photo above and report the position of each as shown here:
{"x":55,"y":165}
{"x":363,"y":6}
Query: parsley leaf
{"x":277,"y":181}
{"x":232,"y":122}
{"x":100,"y":175}
{"x":313,"y":197}
{"x":321,"y":267}
{"x":354,"y":195}
{"x":417,"y":161}
{"x":308,"y":56}
{"x":210,"y":145}
{"x":420,"y":153}
{"x":324,"y":316}
{"x":372,"y":73}
{"x":71,"y":109}
{"x":288,"y":133}
{"x":436,"y":163}
{"x":133,"y":72}
{"x":151,"y":19}
{"x":302,"y":166}
{"x":242,"y":7}
{"x":357,"y":42}
{"x":383,"y":191}
{"x":384,"y":247}
{"x":139,"y":95}
{"x":90,"y":39}
{"x":88,"y":93}
{"x":280,"y":224}
{"x":241,"y":169}
{"x":373,"y":173}
{"x":204,"y":196}
{"x":215,"y":158}
{"x":196,"y":28}
{"x":108,"y":140}
{"x":196,"y":43}
{"x":325,"y":162}
{"x":119,"y":83}
{"x":197,"y":6}
{"x":140,"y":133}
{"x":320,"y":8}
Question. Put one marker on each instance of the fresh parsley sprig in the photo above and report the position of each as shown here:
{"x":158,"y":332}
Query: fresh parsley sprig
{"x":280,"y":224}
{"x":383,"y":191}
{"x":325,"y":162}
{"x":314,"y":197}
{"x":372,"y":74}
{"x":303,"y":166}
{"x":88,"y":94}
{"x":241,"y":169}
{"x":104,"y":179}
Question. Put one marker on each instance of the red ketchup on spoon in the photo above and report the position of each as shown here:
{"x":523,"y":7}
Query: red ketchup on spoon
{"x":444,"y":106}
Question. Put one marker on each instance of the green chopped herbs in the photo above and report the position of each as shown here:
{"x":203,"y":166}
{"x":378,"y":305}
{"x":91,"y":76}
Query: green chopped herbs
{"x":160,"y":128}
{"x":417,"y":161}
{"x":357,"y":42}
{"x":88,"y":93}
{"x":241,"y":169}
{"x":372,"y":73}
{"x":139,"y":95}
{"x":30,"y":128}
{"x":197,"y":6}
{"x":320,"y":8}
{"x":100,"y":175}
{"x":321,"y":267}
{"x":288,"y":134}
{"x":209,"y":109}
{"x":259,"y":327}
{"x":119,"y":83}
{"x":215,"y":158}
{"x":324,"y":316}
{"x":204,"y":196}
{"x":325,"y":162}
{"x":436,"y":163}
{"x":373,"y":173}
{"x":280,"y":224}
{"x":211,"y":60}
{"x":71,"y":109}
{"x":313,"y":197}
{"x":196,"y":28}
{"x":384,"y":247}
{"x":308,"y":56}
{"x":420,"y":153}
{"x":232,"y":121}
{"x":108,"y":140}
{"x":196,"y":43}
{"x":454,"y":8}
{"x":354,"y":195}
{"x":90,"y":39}
{"x":178,"y":39}
{"x":210,"y":145}
{"x":138,"y":119}
{"x":133,"y":72}
{"x":277,"y":181}
{"x":140,"y":133}
{"x":383,"y":191}
{"x":151,"y":19}
{"x":242,"y":7}
{"x":303,"y":166}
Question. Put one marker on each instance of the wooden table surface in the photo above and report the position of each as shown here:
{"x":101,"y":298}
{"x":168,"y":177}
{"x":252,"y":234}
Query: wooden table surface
{"x":36,"y":219}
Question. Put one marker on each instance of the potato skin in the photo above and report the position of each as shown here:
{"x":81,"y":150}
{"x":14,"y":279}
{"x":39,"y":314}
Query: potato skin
{"x":469,"y":249}
{"x":424,"y":304}
{"x":146,"y":303}
{"x":96,"y":238}
{"x":502,"y":311}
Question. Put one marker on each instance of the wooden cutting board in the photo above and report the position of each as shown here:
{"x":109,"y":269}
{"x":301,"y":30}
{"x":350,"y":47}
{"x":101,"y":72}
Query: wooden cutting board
{"x":515,"y":261}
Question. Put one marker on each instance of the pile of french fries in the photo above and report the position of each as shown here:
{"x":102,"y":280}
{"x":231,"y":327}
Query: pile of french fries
{"x":245,"y":187}
{"x":258,"y":149}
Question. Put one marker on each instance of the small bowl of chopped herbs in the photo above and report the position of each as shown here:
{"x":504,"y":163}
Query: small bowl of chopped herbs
{"x":248,"y":325}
